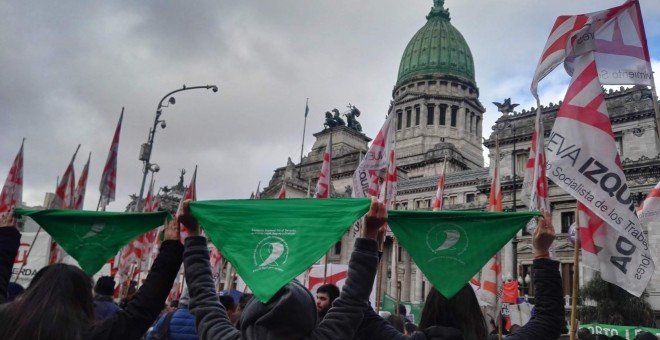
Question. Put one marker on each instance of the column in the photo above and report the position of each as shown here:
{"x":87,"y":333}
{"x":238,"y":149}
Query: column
{"x":418,"y":285}
{"x":479,"y":130}
{"x":229,"y":278}
{"x":407,"y":276}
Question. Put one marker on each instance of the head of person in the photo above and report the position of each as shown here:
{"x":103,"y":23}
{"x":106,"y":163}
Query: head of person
{"x":584,"y":334}
{"x":397,"y":322}
{"x":409,"y":328}
{"x":57,"y":305}
{"x":325,"y":295}
{"x":402,"y":310}
{"x":289,"y":314}
{"x":645,"y":336}
{"x":230,"y":305}
{"x":461,"y":311}
{"x":105,"y":285}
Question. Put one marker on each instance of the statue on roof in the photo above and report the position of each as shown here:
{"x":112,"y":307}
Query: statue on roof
{"x":337,"y":117}
{"x":506,"y":107}
{"x":438,"y":3}
{"x":352,"y":123}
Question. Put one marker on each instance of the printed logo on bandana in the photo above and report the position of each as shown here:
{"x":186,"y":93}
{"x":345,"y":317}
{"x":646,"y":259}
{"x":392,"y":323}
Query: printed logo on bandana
{"x":448,"y":241}
{"x":95,"y":236}
{"x":272,"y":252}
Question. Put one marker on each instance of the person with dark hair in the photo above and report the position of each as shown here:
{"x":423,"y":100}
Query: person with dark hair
{"x":584,"y":334}
{"x":404,"y":312}
{"x":325,"y":295}
{"x":104,"y":306}
{"x":290,"y":313}
{"x":177,"y":324}
{"x":58,"y":305}
{"x":228,"y":302}
{"x":644,"y":335}
{"x":409,"y":328}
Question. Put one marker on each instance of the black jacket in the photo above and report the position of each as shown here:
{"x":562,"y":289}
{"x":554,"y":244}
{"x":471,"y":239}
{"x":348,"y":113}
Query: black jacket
{"x":10,"y":240}
{"x":546,"y":324}
{"x":291,"y":313}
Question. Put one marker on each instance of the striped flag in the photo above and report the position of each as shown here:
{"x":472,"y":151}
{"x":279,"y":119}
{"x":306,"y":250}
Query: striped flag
{"x":365,"y":179}
{"x":650,"y":209}
{"x":108,"y":184}
{"x":65,"y":191}
{"x":440,"y":192}
{"x":323,"y":184}
{"x":535,"y":183}
{"x":282,"y":194}
{"x":495,"y":197}
{"x":79,"y":196}
{"x":389,"y":192}
{"x":12,"y":192}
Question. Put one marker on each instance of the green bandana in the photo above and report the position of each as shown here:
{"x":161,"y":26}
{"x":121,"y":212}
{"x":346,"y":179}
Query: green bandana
{"x":271,"y":241}
{"x":451,"y":246}
{"x":93,"y":237}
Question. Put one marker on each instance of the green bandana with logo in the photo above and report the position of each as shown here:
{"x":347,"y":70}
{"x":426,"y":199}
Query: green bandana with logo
{"x":451,"y":246}
{"x":271,"y":241}
{"x":93,"y":237}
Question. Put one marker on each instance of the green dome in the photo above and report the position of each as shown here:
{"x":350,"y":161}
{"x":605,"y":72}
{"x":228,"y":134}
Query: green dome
{"x":438,"y":47}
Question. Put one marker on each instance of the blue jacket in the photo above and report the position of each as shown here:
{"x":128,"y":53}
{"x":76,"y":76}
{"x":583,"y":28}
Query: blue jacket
{"x":182,"y":325}
{"x":104,"y":307}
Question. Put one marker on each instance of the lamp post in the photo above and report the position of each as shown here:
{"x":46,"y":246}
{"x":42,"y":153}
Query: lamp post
{"x":145,"y":149}
{"x":506,"y":108}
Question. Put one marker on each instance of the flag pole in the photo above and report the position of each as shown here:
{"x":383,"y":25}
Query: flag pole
{"x":27,"y":255}
{"x":379,"y":284}
{"x":396,"y":274}
{"x":576,"y":275}
{"x":302,"y":146}
{"x":325,"y":264}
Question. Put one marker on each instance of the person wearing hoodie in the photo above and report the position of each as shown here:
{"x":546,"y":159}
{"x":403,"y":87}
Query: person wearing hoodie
{"x":104,"y":306}
{"x":180,"y":325}
{"x":460,"y":317}
{"x":58,"y":304}
{"x":291,"y":312}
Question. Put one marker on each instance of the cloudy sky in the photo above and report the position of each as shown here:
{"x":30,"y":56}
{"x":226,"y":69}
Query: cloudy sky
{"x":68,"y":67}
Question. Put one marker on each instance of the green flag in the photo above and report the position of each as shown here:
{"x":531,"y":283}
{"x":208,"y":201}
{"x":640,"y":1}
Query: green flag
{"x":451,"y":246}
{"x":93,"y":237}
{"x":271,"y":241}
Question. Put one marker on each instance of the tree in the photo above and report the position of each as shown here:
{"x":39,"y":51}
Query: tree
{"x":614,"y":305}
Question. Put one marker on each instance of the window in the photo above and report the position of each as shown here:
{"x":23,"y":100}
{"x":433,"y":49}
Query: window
{"x":619,"y":145}
{"x":521,"y":162}
{"x":408,"y":118}
{"x":417,"y":114}
{"x":567,"y":218}
{"x":476,"y":125}
{"x":430,"y":112}
{"x":467,"y":121}
{"x":454,"y":112}
{"x":566,"y":271}
{"x":471,"y":124}
{"x":451,"y":200}
{"x":399,"y":120}
{"x":338,"y":248}
{"x":443,"y":114}
{"x":469,"y":198}
{"x":399,"y":255}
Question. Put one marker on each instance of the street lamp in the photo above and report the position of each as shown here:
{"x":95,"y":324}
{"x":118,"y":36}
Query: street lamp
{"x":146,"y":148}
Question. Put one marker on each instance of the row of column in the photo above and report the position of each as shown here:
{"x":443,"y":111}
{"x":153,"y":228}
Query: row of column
{"x":412,"y":287}
{"x":467,"y":122}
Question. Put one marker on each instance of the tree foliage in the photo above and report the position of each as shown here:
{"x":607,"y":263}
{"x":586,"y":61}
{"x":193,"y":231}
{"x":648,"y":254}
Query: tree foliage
{"x":614,"y":305}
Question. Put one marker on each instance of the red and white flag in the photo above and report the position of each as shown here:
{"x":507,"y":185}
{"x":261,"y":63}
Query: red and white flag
{"x":491,"y":287}
{"x":109,"y":177}
{"x":282,"y":194}
{"x":440,"y":192}
{"x":365,"y":179}
{"x":66,"y":188}
{"x":79,"y":195}
{"x":323,"y":183}
{"x":495,"y":197}
{"x":12,"y":192}
{"x":388,"y":194}
{"x":535,"y":183}
{"x":650,"y":210}
{"x":216,"y":264}
{"x":190,"y":194}
{"x":614,"y":255}
{"x":583,"y":159}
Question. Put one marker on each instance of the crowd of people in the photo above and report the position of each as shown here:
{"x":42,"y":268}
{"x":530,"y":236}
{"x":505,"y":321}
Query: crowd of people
{"x":62,"y":302}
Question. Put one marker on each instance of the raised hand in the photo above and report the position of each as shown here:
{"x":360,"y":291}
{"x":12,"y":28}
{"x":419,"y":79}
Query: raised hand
{"x":188,"y":220}
{"x":8,"y":220}
{"x":171,"y":230}
{"x":544,"y":235}
{"x":375,"y":220}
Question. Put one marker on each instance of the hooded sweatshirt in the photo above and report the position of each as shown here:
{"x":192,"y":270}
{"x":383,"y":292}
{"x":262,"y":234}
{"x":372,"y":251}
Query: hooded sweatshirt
{"x":291,"y":313}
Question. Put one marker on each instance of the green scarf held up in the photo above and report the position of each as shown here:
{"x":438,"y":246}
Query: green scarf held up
{"x":93,"y":237}
{"x":450,"y":247}
{"x":271,"y":241}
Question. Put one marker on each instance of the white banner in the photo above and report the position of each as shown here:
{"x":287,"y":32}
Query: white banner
{"x":31,"y":264}
{"x":336,"y":274}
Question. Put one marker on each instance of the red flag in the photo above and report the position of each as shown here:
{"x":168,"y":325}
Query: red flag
{"x":12,"y":192}
{"x":323,"y":184}
{"x":79,"y":196}
{"x":437,"y":200}
{"x":389,"y":193}
{"x":535,"y":183}
{"x":190,"y":194}
{"x":66,"y":187}
{"x":109,"y":177}
{"x":282,"y":194}
{"x":649,"y":210}
{"x":216,"y":261}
